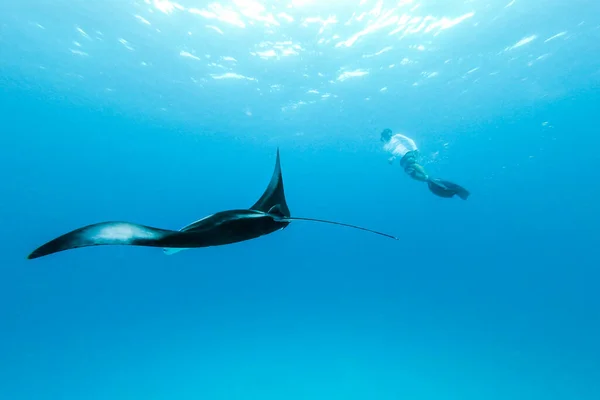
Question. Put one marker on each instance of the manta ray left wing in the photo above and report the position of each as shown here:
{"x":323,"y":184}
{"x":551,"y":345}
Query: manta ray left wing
{"x":109,"y":233}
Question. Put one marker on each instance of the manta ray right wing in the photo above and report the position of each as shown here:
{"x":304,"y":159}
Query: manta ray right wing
{"x":274,"y":195}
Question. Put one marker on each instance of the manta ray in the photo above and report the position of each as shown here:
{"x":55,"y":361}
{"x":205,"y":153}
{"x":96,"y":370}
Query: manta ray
{"x":269,"y":214}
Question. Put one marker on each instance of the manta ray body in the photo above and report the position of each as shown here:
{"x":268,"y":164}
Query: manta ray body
{"x":269,"y":214}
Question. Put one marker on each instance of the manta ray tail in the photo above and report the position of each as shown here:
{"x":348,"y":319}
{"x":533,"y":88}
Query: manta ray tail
{"x":324,"y":221}
{"x":106,"y":233}
{"x":342,"y":224}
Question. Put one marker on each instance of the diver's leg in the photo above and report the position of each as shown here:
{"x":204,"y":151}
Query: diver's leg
{"x":412,"y":168}
{"x":417,"y":172}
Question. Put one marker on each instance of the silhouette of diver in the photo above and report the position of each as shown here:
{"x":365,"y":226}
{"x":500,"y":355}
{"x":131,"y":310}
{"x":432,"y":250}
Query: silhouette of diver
{"x":405,"y":148}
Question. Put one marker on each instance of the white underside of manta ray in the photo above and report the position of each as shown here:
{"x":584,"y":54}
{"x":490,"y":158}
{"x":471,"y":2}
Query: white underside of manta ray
{"x":174,"y":250}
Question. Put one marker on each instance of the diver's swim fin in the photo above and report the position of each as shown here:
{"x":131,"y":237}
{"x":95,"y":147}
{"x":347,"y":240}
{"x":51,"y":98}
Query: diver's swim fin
{"x":447,"y":189}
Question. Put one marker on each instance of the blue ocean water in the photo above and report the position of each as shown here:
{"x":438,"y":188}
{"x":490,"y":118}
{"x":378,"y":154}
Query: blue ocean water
{"x":160,"y":113}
